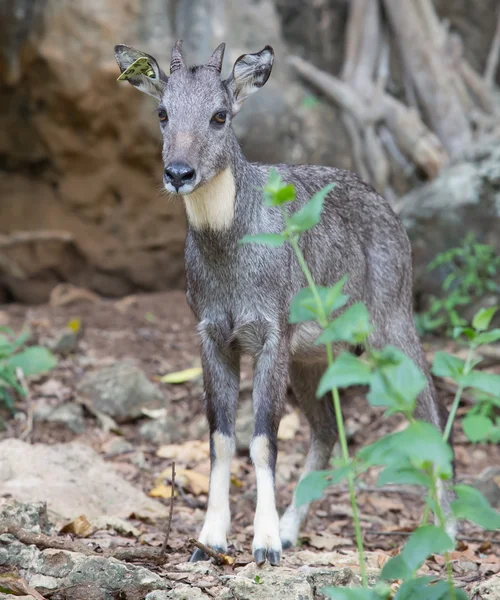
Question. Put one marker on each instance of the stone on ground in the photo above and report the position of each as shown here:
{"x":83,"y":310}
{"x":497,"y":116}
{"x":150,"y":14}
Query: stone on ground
{"x":72,"y":479}
{"x":121,"y":391}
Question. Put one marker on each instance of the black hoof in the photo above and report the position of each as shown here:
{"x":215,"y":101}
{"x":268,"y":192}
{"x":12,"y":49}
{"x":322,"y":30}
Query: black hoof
{"x":260,"y":556}
{"x":274,"y":557}
{"x":285,"y":544}
{"x":198,"y":555}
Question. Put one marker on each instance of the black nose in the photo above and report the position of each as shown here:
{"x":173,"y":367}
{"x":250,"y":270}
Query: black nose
{"x":179,"y":173}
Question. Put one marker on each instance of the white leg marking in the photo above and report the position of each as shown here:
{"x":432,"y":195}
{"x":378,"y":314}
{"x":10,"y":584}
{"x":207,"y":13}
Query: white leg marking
{"x":443,"y":499}
{"x":218,"y":517}
{"x":294,"y":516}
{"x":266,"y":523}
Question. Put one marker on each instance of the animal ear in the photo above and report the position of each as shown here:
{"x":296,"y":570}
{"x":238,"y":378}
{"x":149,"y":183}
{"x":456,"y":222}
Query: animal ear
{"x":250,"y":72}
{"x":141,"y":70}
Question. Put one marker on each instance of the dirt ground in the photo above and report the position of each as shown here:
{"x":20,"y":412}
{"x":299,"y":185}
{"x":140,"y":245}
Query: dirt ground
{"x":158,"y":332}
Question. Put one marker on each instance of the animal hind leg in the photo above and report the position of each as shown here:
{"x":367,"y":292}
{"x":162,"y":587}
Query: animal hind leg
{"x":321,"y":418}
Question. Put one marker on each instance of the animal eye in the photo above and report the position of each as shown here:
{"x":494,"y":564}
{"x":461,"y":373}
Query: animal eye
{"x":162,"y":114}
{"x":219,"y":117}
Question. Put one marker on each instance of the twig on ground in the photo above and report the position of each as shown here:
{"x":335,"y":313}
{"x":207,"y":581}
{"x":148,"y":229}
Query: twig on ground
{"x":43,"y":542}
{"x":170,"y":514}
{"x":26,"y":237}
{"x":217,"y":556}
{"x":460,"y":538}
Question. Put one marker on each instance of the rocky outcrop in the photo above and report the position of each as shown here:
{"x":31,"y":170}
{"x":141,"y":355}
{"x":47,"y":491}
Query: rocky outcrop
{"x":80,"y":152}
{"x":464,"y":198}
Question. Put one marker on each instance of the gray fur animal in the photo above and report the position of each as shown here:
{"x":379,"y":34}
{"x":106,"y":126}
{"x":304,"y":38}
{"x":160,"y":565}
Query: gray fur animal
{"x":241,"y":294}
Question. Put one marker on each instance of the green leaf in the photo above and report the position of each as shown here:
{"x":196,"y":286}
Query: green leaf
{"x":473,"y":506}
{"x":487,"y":337}
{"x":312,"y":486}
{"x":423,"y":542}
{"x":352,"y":326}
{"x":426,"y":588}
{"x":469,"y":333}
{"x":304,"y":306}
{"x":420,"y":444}
{"x":477,"y":427}
{"x":447,"y":365}
{"x":486,"y":382}
{"x":33,"y":360}
{"x":404,"y":474}
{"x":482,"y":318}
{"x":265,"y":239}
{"x":309,"y":215}
{"x":396,"y":382}
{"x":345,"y":371}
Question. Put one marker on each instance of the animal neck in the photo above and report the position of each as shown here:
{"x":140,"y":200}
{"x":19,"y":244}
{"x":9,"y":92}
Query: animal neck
{"x":212,"y":206}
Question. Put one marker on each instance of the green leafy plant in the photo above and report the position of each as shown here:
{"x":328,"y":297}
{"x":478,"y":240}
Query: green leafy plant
{"x":16,"y":358}
{"x":472,"y":271}
{"x":419,"y":454}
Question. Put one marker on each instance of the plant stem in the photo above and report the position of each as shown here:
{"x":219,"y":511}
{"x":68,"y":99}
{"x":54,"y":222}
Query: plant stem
{"x":442,"y":522}
{"x":458,"y":395}
{"x":323,"y":321}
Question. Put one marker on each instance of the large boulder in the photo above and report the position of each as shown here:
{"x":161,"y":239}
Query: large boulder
{"x":80,"y":152}
{"x":464,"y":198}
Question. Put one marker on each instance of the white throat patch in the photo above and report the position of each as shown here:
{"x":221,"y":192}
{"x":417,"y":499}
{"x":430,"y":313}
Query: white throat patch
{"x":212,"y":205}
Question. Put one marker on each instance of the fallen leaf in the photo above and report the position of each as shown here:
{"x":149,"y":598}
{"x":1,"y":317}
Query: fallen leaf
{"x":75,"y":325}
{"x":119,"y":525}
{"x":161,"y":491}
{"x":191,"y":451}
{"x":382,"y":504}
{"x":195,"y":482}
{"x":79,"y":526}
{"x":182,"y":376}
{"x":17,"y":586}
{"x":328,"y":541}
{"x":155,"y":413}
{"x":236,"y":482}
{"x":289,"y":426}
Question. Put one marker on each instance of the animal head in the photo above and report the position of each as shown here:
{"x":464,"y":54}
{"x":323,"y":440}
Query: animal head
{"x":195,"y":108}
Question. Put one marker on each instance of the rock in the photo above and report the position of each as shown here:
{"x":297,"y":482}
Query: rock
{"x":82,"y":150}
{"x":464,"y":198}
{"x":121,"y":391}
{"x":31,"y":516}
{"x":66,"y":342}
{"x":72,"y":479}
{"x":487,"y":590}
{"x":156,"y":431}
{"x":9,"y":597}
{"x":180,"y":592}
{"x":68,"y":413}
{"x":88,"y":577}
{"x":279,"y":584}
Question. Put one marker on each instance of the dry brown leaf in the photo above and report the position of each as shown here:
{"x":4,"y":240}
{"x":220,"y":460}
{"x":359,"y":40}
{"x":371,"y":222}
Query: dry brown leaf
{"x":79,"y":527}
{"x":236,"y":482}
{"x":289,"y":426}
{"x":197,"y":483}
{"x":328,"y":541}
{"x":382,"y":504}
{"x":18,"y":586}
{"x":161,"y":491}
{"x":192,"y":451}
